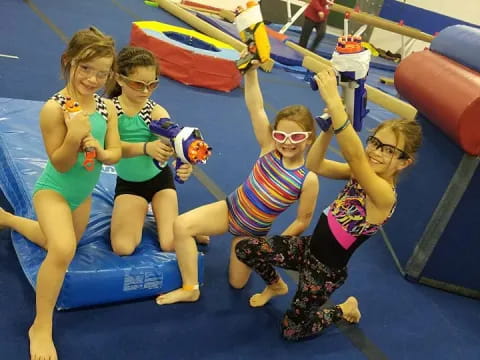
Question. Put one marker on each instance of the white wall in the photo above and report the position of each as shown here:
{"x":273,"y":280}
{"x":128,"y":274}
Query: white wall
{"x":465,"y":10}
{"x":469,"y":11}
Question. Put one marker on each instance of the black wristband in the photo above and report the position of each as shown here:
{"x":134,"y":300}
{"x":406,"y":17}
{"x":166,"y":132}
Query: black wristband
{"x":145,"y":148}
{"x":341,"y":128}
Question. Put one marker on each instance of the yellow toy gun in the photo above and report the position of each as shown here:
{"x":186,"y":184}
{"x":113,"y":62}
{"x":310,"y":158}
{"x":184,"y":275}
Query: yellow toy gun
{"x":252,"y":31}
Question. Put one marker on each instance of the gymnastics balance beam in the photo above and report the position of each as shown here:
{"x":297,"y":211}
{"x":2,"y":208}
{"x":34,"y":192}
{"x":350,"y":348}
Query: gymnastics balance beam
{"x":382,"y":23}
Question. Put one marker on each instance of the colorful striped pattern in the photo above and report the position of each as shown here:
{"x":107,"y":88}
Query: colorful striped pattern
{"x":268,"y":191}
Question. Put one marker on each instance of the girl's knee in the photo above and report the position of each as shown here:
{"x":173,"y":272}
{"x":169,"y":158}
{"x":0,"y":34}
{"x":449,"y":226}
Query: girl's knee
{"x":123,"y":248}
{"x":243,"y":249}
{"x":167,"y":246}
{"x":180,"y":226}
{"x":289,"y":334}
{"x":289,"y":331}
{"x":236,"y":282}
{"x":183,"y":227}
{"x":62,"y":256}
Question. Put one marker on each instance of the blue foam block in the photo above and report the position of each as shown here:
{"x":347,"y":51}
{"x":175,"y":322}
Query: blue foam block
{"x":460,"y":43}
{"x":96,"y":275}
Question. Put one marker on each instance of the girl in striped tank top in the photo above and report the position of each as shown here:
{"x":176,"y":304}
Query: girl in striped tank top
{"x":277,"y":180}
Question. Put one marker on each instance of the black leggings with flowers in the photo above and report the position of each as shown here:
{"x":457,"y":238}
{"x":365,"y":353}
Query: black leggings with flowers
{"x":316,"y":281}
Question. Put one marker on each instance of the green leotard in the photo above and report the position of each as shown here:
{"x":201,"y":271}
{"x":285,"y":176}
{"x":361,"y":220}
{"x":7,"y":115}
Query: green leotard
{"x":76,"y":184}
{"x":134,"y":129}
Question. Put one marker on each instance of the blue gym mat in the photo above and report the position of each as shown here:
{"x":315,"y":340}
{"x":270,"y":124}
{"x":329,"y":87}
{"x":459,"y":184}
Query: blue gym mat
{"x":96,"y":275}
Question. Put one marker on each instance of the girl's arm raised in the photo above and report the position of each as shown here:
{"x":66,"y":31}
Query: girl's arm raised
{"x":377,"y":189}
{"x":317,"y":163}
{"x":254,"y":101}
{"x":62,"y":138}
{"x":306,"y":206}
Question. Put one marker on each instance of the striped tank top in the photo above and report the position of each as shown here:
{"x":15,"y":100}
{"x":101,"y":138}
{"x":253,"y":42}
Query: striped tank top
{"x":268,"y":191}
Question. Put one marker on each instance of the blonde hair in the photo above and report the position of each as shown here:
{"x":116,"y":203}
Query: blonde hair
{"x":86,"y":45}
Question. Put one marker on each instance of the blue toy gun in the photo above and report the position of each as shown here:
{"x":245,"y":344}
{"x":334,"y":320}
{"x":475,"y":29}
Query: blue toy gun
{"x":187,"y":142}
{"x":354,"y":97}
{"x":351,"y":63}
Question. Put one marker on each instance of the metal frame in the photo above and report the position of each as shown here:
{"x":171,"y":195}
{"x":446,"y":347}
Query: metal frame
{"x":291,"y":19}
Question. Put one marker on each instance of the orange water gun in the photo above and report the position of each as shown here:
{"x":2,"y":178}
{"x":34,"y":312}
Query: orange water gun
{"x":73,"y":108}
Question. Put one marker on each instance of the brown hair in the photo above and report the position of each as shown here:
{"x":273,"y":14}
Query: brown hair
{"x":410,"y":130}
{"x":86,"y":45}
{"x":298,"y":114}
{"x":128,"y":59}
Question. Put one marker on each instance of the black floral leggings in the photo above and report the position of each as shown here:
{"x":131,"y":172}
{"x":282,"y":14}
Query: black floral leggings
{"x":316,"y":281}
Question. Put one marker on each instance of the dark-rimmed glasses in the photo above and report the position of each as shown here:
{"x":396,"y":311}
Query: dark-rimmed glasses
{"x":386,"y":149}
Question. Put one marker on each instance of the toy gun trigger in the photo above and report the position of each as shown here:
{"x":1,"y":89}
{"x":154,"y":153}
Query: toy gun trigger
{"x":90,"y":155}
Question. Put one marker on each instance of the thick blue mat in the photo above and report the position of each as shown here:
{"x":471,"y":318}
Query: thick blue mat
{"x":96,"y":275}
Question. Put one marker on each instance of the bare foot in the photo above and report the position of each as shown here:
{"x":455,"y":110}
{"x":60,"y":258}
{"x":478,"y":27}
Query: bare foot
{"x":350,"y":310}
{"x":179,"y":295}
{"x":276,"y":289}
{"x":41,"y":344}
{"x":202,"y":239}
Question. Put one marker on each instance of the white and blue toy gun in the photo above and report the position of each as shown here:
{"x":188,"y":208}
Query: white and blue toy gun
{"x":187,"y":142}
{"x":351,"y":62}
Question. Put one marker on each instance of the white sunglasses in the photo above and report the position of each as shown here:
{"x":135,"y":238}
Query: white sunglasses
{"x":294,"y":137}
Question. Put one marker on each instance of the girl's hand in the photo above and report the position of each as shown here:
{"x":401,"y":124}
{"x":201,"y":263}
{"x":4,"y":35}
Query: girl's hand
{"x":254,"y":65}
{"x":327,"y":87}
{"x":78,"y":126}
{"x":90,"y":142}
{"x":184,"y":171}
{"x":159,"y":150}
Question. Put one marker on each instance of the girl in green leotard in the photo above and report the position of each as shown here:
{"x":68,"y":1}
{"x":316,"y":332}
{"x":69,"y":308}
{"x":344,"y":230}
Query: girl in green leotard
{"x":139,"y":181}
{"x":62,"y":194}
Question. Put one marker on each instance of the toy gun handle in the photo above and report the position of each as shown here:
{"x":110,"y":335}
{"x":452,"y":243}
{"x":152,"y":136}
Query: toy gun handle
{"x":355,"y":99}
{"x":324,"y":121}
{"x":90,"y":156}
{"x":178,"y":163}
{"x":312,"y":82}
